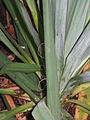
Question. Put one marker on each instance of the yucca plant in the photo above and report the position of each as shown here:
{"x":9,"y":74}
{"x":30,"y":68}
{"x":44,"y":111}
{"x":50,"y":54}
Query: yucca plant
{"x":66,"y":37}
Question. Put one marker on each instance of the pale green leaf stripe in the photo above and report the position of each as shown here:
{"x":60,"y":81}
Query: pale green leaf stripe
{"x":20,"y":67}
{"x":9,"y":92}
{"x":88,"y":15}
{"x":81,"y":66}
{"x":11,"y":113}
{"x":53,"y":9}
{"x":41,"y":112}
{"x":60,"y":26}
{"x":51,"y":71}
{"x":76,"y":26}
{"x":70,"y":12}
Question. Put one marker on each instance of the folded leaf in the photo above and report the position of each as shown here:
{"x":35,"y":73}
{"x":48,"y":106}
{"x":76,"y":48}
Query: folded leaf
{"x":77,"y":25}
{"x":41,"y":112}
{"x":78,"y":57}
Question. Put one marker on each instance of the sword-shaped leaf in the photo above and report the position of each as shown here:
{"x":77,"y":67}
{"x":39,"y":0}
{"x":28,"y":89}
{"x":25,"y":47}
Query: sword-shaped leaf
{"x":50,"y":56}
{"x":14,"y":43}
{"x":15,"y":10}
{"x":60,"y":28}
{"x":27,"y":82}
{"x":77,"y":25}
{"x":41,"y":112}
{"x":78,"y":57}
{"x":20,"y":67}
{"x":7,"y":92}
{"x":9,"y":114}
{"x":5,"y":40}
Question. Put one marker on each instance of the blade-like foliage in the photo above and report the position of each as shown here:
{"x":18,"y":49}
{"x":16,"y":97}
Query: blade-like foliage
{"x":4,"y":39}
{"x":84,"y":81}
{"x":60,"y":25}
{"x":20,"y":67}
{"x":76,"y":25}
{"x":67,"y":50}
{"x":25,"y":81}
{"x":78,"y":57}
{"x":41,"y":112}
{"x":33,"y":8}
{"x":14,"y":8}
{"x":29,"y":23}
{"x":80,"y":88}
{"x":9,"y":114}
{"x":51,"y":71}
{"x":17,"y":46}
{"x":8,"y":92}
{"x":76,"y":83}
{"x":84,"y":105}
{"x":88,"y":15}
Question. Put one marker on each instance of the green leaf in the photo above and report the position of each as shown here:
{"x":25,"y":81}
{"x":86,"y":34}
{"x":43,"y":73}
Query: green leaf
{"x":80,"y":88}
{"x":8,"y":92}
{"x":82,"y":104}
{"x":76,"y":81}
{"x":84,"y":83}
{"x":82,"y":111}
{"x":75,"y":64}
{"x":27,"y":19}
{"x":26,"y":82}
{"x":14,"y":8}
{"x":20,"y":67}
{"x":5,"y":40}
{"x":15,"y":44}
{"x":33,"y":8}
{"x":9,"y":114}
{"x":76,"y":26}
{"x":88,"y":15}
{"x":53,"y":10}
{"x":41,"y":112}
{"x":60,"y":26}
{"x":70,"y":12}
{"x":51,"y":71}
